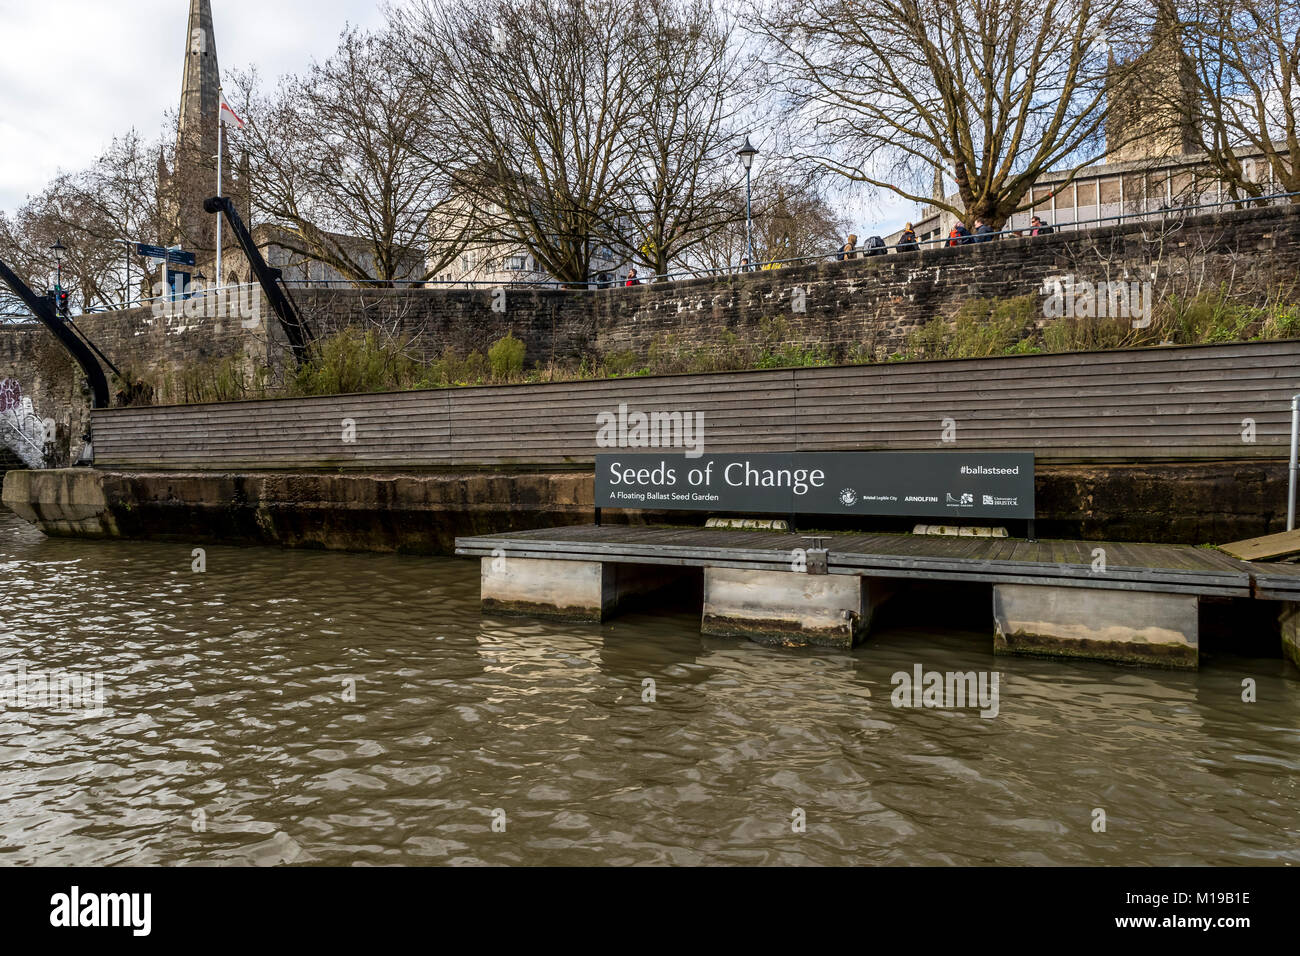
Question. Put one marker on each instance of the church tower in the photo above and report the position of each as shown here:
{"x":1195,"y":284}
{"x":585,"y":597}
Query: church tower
{"x":1153,"y":114}
{"x":193,"y":177}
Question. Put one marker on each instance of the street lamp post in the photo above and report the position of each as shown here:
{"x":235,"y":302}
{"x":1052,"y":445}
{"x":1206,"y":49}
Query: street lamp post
{"x":747,"y":154}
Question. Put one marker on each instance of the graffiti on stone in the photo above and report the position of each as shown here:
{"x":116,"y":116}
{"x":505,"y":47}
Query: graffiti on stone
{"x":11,"y":394}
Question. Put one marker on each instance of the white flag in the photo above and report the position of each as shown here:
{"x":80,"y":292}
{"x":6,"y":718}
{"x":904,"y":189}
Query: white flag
{"x":229,"y":116}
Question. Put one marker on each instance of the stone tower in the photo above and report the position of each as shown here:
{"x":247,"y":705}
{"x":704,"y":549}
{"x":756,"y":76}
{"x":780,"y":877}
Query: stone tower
{"x":1153,"y":116}
{"x":193,"y":177}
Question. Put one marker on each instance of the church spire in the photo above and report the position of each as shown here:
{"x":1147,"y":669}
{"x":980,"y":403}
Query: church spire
{"x":201,"y":80}
{"x":194,"y":174}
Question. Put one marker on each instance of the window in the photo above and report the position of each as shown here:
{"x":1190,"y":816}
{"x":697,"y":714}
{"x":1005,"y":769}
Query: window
{"x":515,"y":263}
{"x":1110,"y":190}
{"x":1158,"y":191}
{"x":1134,"y":192}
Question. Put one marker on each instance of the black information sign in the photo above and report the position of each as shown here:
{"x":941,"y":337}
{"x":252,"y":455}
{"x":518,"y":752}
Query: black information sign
{"x":948,"y":485}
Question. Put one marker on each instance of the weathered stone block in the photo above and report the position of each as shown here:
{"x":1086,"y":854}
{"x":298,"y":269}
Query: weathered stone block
{"x":1289,"y":624}
{"x":1102,"y":624}
{"x":67,"y":501}
{"x":572,"y":590}
{"x":790,"y":608}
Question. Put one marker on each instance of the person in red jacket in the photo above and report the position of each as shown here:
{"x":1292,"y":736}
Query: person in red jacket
{"x":959,"y":236}
{"x":631,"y":278}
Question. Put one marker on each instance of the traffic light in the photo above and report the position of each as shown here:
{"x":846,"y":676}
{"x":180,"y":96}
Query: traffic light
{"x":61,"y":303}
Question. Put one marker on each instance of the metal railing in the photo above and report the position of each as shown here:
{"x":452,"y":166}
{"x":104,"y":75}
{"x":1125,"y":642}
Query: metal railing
{"x":1162,"y":214}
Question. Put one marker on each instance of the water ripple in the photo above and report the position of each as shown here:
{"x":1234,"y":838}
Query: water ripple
{"x":291,"y":708}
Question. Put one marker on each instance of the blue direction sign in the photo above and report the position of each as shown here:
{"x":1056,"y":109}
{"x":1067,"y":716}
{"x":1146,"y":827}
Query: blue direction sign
{"x":175,"y":256}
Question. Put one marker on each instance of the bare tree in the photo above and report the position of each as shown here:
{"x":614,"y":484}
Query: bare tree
{"x":12,"y":251}
{"x":680,"y":186}
{"x":989,"y":94}
{"x":92,"y":212}
{"x":792,"y":220}
{"x":105,"y":210}
{"x":541,"y":93}
{"x":349,"y":160}
{"x":1246,"y":59}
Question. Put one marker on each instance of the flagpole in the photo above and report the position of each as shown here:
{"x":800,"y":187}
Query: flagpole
{"x":221,"y":122}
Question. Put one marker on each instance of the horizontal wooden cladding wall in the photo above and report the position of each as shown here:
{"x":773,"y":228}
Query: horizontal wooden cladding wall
{"x":1185,"y":402}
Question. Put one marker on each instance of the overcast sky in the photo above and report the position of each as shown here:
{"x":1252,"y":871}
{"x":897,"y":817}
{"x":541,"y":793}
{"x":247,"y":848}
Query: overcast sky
{"x":117,"y":65}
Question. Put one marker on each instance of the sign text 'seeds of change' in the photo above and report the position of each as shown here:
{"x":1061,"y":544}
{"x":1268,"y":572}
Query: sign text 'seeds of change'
{"x":948,"y":485}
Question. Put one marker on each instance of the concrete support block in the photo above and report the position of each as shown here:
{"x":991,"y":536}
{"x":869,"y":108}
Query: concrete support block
{"x":1101,"y":624}
{"x":1289,"y":624}
{"x":572,"y":590}
{"x":61,"y":502}
{"x":790,"y":608}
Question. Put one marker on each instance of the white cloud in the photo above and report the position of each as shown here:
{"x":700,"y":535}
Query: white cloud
{"x":74,"y":73}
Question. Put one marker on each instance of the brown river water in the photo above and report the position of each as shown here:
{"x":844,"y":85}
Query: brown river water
{"x":323,"y":708}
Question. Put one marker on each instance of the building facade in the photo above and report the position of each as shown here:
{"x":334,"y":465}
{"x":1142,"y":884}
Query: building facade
{"x":1151,"y":161}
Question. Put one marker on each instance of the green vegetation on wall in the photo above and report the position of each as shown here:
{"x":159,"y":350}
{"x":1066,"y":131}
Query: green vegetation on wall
{"x":365,"y":361}
{"x":1017,"y":326}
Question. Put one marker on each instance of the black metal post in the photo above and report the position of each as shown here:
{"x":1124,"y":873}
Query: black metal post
{"x":48,"y":317}
{"x":270,"y":279}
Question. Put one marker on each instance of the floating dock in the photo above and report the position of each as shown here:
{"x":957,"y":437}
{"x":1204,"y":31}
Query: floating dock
{"x":1129,"y":603}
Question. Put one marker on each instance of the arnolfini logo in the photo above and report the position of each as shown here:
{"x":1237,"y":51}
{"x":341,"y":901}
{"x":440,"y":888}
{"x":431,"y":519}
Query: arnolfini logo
{"x":74,"y":909}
